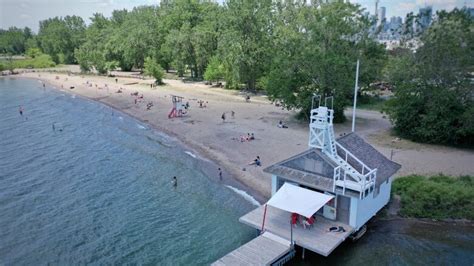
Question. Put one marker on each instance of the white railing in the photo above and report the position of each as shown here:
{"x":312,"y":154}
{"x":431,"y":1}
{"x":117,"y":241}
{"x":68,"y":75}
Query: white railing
{"x":367,"y":182}
{"x":348,"y":155}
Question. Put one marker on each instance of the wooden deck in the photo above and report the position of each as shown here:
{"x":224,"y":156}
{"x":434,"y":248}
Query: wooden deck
{"x":263,"y":250}
{"x":317,"y":239}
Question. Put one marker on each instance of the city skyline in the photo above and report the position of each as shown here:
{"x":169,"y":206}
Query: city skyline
{"x":28,"y":13}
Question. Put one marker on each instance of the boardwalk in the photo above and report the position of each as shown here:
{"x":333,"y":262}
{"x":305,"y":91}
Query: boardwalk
{"x":263,"y":250}
{"x":317,"y":239}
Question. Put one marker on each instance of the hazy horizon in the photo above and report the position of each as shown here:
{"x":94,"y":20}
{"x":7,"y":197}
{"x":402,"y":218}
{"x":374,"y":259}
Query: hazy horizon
{"x":28,"y":13}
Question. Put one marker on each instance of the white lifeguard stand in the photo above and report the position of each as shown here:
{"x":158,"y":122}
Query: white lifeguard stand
{"x":179,"y":108}
{"x":354,"y":175}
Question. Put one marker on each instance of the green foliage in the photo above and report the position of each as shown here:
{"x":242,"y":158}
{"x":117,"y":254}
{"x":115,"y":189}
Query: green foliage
{"x":40,"y":61}
{"x":152,"y":68}
{"x":370,"y":102}
{"x":321,"y":59}
{"x":437,"y":197}
{"x":2,"y":66}
{"x":59,"y":37}
{"x":433,"y":98}
{"x":33,"y":52}
{"x":13,"y":40}
{"x":215,"y":70}
{"x":244,"y":46}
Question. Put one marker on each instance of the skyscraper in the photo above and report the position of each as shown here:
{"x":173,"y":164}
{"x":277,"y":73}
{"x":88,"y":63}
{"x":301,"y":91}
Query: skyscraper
{"x":425,"y":16}
{"x":381,"y":15}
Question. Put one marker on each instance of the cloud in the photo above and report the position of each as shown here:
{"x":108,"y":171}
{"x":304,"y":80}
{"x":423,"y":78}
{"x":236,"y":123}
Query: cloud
{"x":25,"y":16}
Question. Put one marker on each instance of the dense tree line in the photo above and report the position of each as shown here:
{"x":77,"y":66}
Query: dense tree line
{"x":434,"y":89}
{"x":289,"y":49}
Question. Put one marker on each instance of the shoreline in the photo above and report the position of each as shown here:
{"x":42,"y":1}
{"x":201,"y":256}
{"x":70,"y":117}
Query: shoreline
{"x":207,"y":156}
{"x":203,"y":130}
{"x":203,"y":157}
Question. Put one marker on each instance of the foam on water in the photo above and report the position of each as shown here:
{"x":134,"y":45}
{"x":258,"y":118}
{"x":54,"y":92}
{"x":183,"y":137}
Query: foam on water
{"x":140,"y":126}
{"x":245,"y":195}
{"x":190,"y":154}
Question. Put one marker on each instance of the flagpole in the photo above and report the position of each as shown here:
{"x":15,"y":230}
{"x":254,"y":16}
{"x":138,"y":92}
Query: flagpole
{"x":355,"y":96}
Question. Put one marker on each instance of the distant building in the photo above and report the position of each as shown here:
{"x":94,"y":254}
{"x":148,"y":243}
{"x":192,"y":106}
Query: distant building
{"x":381,"y":16}
{"x":425,"y":18}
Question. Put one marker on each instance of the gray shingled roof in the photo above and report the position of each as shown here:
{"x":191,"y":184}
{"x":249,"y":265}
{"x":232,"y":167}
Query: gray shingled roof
{"x":311,"y":168}
{"x":370,"y":156}
{"x":315,"y":169}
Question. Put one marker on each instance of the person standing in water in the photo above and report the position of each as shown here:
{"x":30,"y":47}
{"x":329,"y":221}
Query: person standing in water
{"x":20,"y":110}
{"x":175,"y":181}
{"x":220,"y":174}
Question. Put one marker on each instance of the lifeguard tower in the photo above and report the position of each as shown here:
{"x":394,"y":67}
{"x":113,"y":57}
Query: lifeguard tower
{"x":342,"y":183}
{"x":179,"y":108}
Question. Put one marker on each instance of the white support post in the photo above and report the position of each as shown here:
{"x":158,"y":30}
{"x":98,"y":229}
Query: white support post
{"x":355,"y":96}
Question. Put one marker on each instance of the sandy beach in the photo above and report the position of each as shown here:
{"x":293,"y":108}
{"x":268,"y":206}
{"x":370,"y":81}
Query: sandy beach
{"x":203,"y":129}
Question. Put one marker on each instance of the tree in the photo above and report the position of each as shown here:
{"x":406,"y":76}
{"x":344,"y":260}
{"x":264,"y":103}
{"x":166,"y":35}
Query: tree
{"x":315,"y":49}
{"x":153,"y":68}
{"x":433,"y":98}
{"x":33,"y":52}
{"x":215,"y":70}
{"x":245,"y":41}
{"x":59,"y":37}
{"x":14,"y":40}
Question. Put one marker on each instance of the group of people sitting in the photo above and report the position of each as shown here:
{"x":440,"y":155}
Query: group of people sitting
{"x":247,"y":137}
{"x":306,"y":222}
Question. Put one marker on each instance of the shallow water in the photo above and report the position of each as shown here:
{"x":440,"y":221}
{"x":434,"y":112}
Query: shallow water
{"x":97,"y":188}
{"x":402,"y":242}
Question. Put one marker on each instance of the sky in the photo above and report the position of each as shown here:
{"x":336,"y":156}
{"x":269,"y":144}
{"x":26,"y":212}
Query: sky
{"x":28,"y":13}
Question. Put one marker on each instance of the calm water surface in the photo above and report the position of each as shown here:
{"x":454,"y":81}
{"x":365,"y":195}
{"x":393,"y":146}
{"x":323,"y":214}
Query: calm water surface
{"x":98,"y":190}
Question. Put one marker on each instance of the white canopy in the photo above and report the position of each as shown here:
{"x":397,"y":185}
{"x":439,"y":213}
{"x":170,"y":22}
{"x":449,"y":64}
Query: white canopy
{"x":299,"y":200}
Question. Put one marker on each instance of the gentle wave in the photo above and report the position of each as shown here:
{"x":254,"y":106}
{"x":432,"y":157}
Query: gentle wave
{"x":140,"y":126}
{"x":190,"y":154}
{"x":245,"y":195}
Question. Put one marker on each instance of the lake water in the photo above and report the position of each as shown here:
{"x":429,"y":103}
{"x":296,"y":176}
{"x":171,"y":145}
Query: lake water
{"x":97,"y":190}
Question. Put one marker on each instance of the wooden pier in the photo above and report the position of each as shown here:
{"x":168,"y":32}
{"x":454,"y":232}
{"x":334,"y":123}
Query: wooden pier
{"x":266,"y":249}
{"x":317,"y":239}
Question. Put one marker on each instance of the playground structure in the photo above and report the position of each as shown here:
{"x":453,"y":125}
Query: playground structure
{"x":179,"y":108}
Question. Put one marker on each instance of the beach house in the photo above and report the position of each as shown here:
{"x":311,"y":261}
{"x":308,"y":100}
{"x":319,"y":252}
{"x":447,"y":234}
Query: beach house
{"x":340,"y":184}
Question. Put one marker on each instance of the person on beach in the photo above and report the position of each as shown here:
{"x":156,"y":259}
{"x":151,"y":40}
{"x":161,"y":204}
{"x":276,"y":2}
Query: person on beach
{"x":256,"y":162}
{"x":223,"y":117}
{"x":220,"y":174}
{"x":20,"y":110}
{"x":116,"y":80}
{"x":281,"y":125}
{"x":232,"y":114}
{"x":175,"y":181}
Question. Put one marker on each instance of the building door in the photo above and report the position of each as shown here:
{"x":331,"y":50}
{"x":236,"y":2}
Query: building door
{"x":343,"y":209}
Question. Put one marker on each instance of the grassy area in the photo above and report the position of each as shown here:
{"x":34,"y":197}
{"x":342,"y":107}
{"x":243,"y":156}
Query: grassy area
{"x":40,"y":61}
{"x":437,"y":197}
{"x":370,"y":103}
